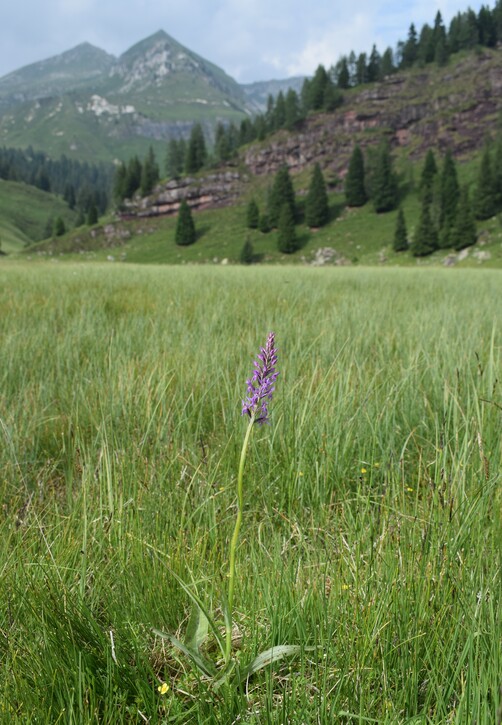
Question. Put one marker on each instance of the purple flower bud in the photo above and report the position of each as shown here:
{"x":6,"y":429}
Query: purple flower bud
{"x":261,"y":385}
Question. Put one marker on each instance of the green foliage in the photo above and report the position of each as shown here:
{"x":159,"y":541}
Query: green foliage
{"x":132,"y":180}
{"x":427,"y":177}
{"x":320,"y":93}
{"x":128,"y":467}
{"x":287,"y":242}
{"x":264,"y":224}
{"x":247,"y":255}
{"x":448,"y":193}
{"x":176,"y":158}
{"x":185,"y":233}
{"x":384,"y":187}
{"x":425,"y":240}
{"x":400,"y":243}
{"x":485,"y":198}
{"x":252,"y":215}
{"x":316,"y":203}
{"x":464,"y":232}
{"x":92,"y":215}
{"x":196,"y":155}
{"x":281,"y":193}
{"x":59,"y":227}
{"x":149,"y":173}
{"x":355,"y":189}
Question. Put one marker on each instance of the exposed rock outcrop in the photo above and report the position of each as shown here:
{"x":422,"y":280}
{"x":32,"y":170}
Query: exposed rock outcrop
{"x":453,"y":108}
{"x":214,"y":190}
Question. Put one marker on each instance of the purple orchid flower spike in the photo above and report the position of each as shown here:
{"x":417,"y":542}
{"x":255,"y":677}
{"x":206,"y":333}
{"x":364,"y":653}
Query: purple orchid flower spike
{"x":262,"y":384}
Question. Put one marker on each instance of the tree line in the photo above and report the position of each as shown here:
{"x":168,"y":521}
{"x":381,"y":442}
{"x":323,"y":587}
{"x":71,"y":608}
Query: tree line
{"x":82,"y":185}
{"x":433,"y":44}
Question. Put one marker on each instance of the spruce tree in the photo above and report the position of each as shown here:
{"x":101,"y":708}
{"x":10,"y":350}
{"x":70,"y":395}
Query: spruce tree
{"x":149,"y":173}
{"x":59,"y":227}
{"x":286,"y":234}
{"x":316,"y":204}
{"x":448,"y":193}
{"x":400,"y":243}
{"x":132,"y":178}
{"x":384,"y":181}
{"x":497,"y":174}
{"x":175,"y":159}
{"x":264,"y":224}
{"x":281,"y":193}
{"x":92,"y":214}
{"x":253,"y":215}
{"x":425,"y":240}
{"x":429,"y":172}
{"x":355,"y":191}
{"x":185,"y":228}
{"x":464,"y":231}
{"x":485,"y":195}
{"x":120,"y":183}
{"x":343,"y":74}
{"x":196,"y":155}
{"x":292,"y":110}
{"x":247,"y":253}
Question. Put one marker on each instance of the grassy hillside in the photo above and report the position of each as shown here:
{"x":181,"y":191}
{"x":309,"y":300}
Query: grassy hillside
{"x":24,"y":211}
{"x":371,"y":525}
{"x":358,"y":236}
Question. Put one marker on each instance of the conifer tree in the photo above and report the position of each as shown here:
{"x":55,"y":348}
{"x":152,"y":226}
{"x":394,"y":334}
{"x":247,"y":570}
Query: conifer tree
{"x":132,"y":178}
{"x":400,"y":243}
{"x":292,"y":109}
{"x":286,"y":234}
{"x":429,"y":172}
{"x":281,"y":193}
{"x":425,"y":240}
{"x":247,"y":253}
{"x":264,"y":224}
{"x":280,"y":111}
{"x":196,"y":155}
{"x":497,"y":166}
{"x":384,"y":181}
{"x":464,"y":232}
{"x":448,"y":199}
{"x":119,"y":182}
{"x":316,"y":204}
{"x":185,"y":228}
{"x":485,"y":195}
{"x":92,"y":214}
{"x":387,"y":66}
{"x":343,"y":74}
{"x":410,"y":48}
{"x":355,"y":191}
{"x":253,"y":215}
{"x":175,"y":159}
{"x":149,"y":173}
{"x":59,"y":226}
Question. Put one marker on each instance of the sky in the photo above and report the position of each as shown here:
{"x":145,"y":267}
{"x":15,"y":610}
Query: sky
{"x":251,"y":40}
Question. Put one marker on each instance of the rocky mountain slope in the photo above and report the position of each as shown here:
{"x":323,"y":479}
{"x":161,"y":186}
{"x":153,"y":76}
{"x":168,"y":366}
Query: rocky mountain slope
{"x":457,"y":107}
{"x":87,"y":103}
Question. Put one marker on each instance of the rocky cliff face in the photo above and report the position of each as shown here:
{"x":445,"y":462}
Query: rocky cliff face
{"x":214,"y":190}
{"x":455,"y":107}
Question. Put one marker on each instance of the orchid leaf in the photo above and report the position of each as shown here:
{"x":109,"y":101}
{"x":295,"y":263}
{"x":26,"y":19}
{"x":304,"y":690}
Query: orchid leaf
{"x":196,"y":600}
{"x":204,"y":665}
{"x":269,"y":656}
{"x":197,"y":628}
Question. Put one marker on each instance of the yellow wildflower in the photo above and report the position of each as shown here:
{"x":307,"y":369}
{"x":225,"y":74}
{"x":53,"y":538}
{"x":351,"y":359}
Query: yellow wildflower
{"x":163,"y":688}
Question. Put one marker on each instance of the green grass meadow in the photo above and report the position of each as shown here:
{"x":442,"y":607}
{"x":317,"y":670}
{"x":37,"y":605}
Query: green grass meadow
{"x":372,"y":525}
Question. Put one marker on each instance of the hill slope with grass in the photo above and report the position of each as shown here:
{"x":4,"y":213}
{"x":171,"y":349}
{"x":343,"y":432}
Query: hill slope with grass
{"x":92,"y":106}
{"x":24,"y":213}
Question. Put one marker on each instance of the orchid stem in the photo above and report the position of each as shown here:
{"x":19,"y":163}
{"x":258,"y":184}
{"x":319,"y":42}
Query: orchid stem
{"x":235,"y":537}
